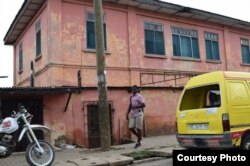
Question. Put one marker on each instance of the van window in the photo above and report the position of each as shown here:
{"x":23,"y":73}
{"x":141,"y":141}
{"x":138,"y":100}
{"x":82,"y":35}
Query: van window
{"x":238,"y":94}
{"x":201,"y":97}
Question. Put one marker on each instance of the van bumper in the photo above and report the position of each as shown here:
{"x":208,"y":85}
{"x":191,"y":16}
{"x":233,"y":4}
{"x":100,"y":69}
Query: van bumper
{"x":205,"y":141}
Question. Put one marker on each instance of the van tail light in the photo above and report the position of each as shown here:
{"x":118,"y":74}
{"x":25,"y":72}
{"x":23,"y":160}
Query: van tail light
{"x":225,"y":122}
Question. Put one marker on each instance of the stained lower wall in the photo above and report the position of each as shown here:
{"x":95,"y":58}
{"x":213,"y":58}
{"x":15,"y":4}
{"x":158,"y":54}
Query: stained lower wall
{"x":159,"y":113}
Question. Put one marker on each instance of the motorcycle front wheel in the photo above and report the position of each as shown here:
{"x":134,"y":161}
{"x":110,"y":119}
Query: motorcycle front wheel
{"x":35,"y":158}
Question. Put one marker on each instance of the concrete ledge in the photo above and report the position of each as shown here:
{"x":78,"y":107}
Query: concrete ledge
{"x":117,"y":160}
{"x":148,"y":160}
{"x":90,"y":161}
{"x":113,"y":160}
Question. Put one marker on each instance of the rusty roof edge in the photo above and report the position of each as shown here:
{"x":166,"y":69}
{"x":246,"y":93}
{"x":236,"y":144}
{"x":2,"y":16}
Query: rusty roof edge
{"x":219,"y":16}
{"x":75,"y":89}
{"x":128,"y":88}
{"x":49,"y":89}
{"x":194,"y":10}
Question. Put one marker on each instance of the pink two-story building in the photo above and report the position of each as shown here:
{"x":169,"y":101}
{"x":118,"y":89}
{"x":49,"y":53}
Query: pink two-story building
{"x":153,"y":44}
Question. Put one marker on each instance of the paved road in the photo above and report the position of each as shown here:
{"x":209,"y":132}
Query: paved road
{"x":19,"y":158}
{"x":163,"y":162}
{"x":88,"y":156}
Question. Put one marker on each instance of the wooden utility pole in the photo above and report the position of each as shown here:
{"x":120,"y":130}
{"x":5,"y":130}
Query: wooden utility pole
{"x":103,"y":108}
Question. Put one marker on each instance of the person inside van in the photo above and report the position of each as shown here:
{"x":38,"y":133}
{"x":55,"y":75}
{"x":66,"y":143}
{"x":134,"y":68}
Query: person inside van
{"x":214,"y":99}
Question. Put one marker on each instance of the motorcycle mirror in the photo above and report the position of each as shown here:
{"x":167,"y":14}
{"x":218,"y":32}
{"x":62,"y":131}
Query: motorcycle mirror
{"x":13,"y":113}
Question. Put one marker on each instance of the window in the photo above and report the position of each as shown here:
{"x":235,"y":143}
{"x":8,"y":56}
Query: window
{"x":245,"y":51}
{"x":91,"y":31}
{"x":201,"y":97}
{"x":212,"y":46}
{"x":154,"y":39}
{"x":185,"y":42}
{"x":213,"y":98}
{"x":20,"y":57}
{"x":38,"y":39}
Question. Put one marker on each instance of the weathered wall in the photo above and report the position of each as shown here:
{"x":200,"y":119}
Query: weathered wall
{"x":159,"y":114}
{"x":160,"y":111}
{"x":126,"y":56}
{"x":64,"y":52}
{"x":64,"y":49}
{"x":28,"y":40}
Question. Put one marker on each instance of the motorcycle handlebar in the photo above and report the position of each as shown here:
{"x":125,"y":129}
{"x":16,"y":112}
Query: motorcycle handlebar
{"x":20,"y":107}
{"x":21,"y":110}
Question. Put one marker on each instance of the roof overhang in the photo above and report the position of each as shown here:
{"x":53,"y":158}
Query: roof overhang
{"x":187,"y":12}
{"x":26,"y":13}
{"x":49,"y":90}
{"x":30,"y":8}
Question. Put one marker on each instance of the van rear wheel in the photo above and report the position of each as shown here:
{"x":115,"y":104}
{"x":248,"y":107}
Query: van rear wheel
{"x":246,"y":143}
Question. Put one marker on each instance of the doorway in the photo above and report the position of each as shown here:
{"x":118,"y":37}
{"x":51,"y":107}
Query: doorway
{"x":93,"y":125}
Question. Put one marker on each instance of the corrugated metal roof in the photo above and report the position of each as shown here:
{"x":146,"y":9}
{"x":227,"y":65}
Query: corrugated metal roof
{"x":30,"y":8}
{"x":8,"y":91}
{"x":38,"y":90}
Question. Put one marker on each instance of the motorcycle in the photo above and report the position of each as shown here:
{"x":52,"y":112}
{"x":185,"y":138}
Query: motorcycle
{"x":12,"y":131}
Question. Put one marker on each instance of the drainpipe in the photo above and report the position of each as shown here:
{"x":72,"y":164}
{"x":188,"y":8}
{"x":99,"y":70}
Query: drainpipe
{"x":79,"y":80}
{"x":32,"y":74}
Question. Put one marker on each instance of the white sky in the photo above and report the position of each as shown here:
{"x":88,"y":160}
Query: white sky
{"x":8,"y":11}
{"x":9,"y":8}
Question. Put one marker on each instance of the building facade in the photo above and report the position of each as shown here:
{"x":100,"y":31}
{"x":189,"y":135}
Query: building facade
{"x":154,"y":44}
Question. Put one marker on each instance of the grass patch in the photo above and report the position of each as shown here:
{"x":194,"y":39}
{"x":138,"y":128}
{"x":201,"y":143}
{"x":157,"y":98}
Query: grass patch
{"x":149,"y":148}
{"x":138,"y":155}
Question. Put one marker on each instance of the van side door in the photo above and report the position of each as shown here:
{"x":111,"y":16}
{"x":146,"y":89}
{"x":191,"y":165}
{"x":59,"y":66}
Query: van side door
{"x":238,"y":98}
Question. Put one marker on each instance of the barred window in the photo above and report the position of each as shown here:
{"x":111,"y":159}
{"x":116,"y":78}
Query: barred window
{"x":212,"y":46}
{"x":185,"y":42}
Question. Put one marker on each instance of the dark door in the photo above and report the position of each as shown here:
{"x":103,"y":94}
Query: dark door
{"x":93,"y":125}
